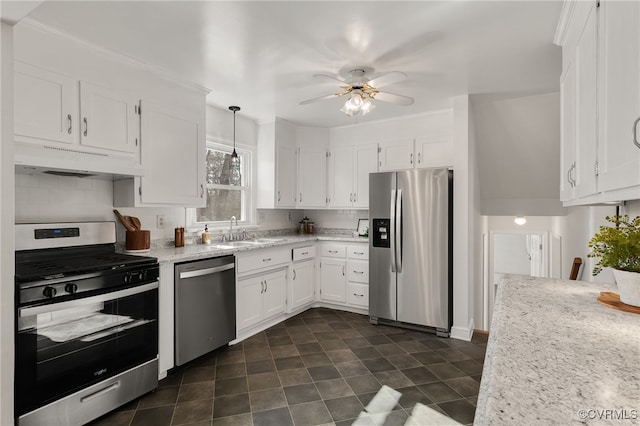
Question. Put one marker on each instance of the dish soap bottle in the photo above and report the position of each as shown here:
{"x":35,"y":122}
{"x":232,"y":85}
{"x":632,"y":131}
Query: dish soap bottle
{"x":206,"y":237}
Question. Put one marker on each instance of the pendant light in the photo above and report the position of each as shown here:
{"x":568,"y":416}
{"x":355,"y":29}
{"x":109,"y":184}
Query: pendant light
{"x":234,"y":172}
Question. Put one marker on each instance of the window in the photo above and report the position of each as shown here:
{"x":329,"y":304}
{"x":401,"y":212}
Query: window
{"x":225,"y":200}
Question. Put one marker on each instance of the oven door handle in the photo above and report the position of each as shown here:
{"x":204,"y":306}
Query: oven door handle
{"x":43,"y":309}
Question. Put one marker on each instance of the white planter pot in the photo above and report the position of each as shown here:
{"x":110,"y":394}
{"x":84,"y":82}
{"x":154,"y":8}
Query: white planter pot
{"x":628,"y":286}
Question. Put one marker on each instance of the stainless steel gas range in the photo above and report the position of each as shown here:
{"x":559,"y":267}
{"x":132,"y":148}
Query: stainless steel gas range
{"x":86,"y":323}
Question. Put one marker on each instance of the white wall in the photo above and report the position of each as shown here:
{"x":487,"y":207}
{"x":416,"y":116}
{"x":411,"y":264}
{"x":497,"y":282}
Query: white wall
{"x":7,"y":258}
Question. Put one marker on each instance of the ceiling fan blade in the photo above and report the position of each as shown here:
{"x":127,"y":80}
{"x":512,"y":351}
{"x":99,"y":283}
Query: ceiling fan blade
{"x":394,"y":99}
{"x":333,"y":79}
{"x":386,"y":79}
{"x":321,"y":98}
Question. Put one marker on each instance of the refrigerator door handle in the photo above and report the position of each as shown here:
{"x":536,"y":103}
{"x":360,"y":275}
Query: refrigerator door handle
{"x":392,"y":226}
{"x":398,"y":231}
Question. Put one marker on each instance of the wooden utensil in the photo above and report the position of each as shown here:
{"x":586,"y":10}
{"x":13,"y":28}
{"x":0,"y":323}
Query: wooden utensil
{"x":123,"y":220}
{"x":135,"y":222}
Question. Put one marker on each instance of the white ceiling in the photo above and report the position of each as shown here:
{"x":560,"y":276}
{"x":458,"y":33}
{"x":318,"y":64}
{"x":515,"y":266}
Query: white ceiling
{"x":262,"y":55}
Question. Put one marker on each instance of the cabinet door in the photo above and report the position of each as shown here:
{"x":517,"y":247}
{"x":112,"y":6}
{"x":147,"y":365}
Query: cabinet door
{"x":45,"y":105}
{"x":340,"y":177}
{"x":249,"y":296}
{"x":364,"y":163}
{"x":434,"y":152}
{"x":109,"y":119}
{"x":567,"y":133}
{"x":302,"y":284}
{"x":618,"y":157}
{"x":312,"y":177}
{"x":173,"y":156}
{"x":585,"y":114}
{"x":274,"y":293}
{"x":333,"y":280}
{"x":396,"y":155}
{"x":285,"y":175}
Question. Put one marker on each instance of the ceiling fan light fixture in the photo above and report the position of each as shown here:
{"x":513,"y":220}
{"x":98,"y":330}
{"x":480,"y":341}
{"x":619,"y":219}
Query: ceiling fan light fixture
{"x":357,"y":104}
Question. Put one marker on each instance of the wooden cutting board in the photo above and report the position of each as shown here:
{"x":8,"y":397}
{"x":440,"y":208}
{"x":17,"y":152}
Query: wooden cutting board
{"x":612,"y":300}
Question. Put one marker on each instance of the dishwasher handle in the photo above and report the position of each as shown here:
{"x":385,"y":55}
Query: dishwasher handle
{"x":206,"y":271}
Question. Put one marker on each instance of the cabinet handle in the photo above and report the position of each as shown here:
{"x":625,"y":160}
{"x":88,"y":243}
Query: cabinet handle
{"x":359,"y":253}
{"x":70,"y":123}
{"x":261,"y":287}
{"x":411,"y":160}
{"x":354,"y":197}
{"x":268,"y":259}
{"x":301,"y":197}
{"x":201,"y":191}
{"x":266,"y":286}
{"x":343,"y":271}
{"x":359,"y":295}
{"x":358,"y":272}
{"x":572,"y":175}
{"x":294,"y":274}
{"x":278,"y":196}
{"x":333,"y":251}
{"x":86,"y":126}
{"x":304,"y":253}
{"x":419,"y":155}
{"x":635,"y":132}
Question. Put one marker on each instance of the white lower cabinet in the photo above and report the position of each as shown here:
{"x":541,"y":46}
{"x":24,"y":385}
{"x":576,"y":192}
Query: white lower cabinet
{"x":302,"y":284}
{"x":344,"y":274}
{"x":260,"y":297}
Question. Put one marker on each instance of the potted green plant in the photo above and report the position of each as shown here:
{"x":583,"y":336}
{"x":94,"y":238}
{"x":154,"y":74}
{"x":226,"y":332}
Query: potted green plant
{"x":618,"y":247}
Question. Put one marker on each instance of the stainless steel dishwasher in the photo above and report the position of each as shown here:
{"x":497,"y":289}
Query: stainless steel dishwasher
{"x":205,"y":306}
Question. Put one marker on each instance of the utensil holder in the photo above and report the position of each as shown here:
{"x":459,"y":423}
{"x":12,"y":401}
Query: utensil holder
{"x":138,"y":240}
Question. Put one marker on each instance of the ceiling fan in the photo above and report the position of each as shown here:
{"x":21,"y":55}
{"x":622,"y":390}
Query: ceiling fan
{"x":362,"y":90}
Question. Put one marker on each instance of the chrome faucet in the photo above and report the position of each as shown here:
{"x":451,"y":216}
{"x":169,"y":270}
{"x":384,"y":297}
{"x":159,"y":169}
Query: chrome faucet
{"x":231,"y":227}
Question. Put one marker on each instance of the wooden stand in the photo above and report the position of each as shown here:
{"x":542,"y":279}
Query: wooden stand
{"x":612,"y":300}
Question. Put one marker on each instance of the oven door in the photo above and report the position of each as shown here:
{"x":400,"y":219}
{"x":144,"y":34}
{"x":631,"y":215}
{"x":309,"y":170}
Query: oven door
{"x":66,"y":346}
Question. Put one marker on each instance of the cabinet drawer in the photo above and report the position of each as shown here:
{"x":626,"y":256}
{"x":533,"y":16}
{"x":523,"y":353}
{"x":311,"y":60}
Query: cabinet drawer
{"x":302,"y":253}
{"x":358,"y":271}
{"x":334,"y":250}
{"x":358,"y":294}
{"x":360,"y":251}
{"x":262,"y":259}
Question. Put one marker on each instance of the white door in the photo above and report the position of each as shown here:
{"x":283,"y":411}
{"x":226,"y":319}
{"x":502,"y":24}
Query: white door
{"x":302,"y":283}
{"x":312,"y":177}
{"x":365,"y":162}
{"x":108,"y":119}
{"x":396,"y":155}
{"x":618,"y":157}
{"x":173,"y":154}
{"x":274,"y":293}
{"x":333,"y":279}
{"x":249,"y":296}
{"x":586,"y":107}
{"x":285,"y":175}
{"x":45,"y":105}
{"x":434,"y":152}
{"x":340,"y":177}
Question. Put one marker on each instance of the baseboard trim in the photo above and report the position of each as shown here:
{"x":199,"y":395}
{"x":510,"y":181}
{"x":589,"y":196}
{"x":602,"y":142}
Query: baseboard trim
{"x":463,"y":333}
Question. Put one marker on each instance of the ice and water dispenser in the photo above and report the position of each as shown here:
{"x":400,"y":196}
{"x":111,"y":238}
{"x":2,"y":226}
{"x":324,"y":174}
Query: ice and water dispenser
{"x":381,"y":233}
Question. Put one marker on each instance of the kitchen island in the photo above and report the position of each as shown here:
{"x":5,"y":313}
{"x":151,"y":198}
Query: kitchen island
{"x":555,"y":355}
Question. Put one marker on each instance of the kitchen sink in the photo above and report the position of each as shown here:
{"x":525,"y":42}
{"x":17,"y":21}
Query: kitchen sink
{"x":246,"y":243}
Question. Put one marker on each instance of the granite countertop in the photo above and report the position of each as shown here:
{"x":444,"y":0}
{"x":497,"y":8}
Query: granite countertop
{"x":201,"y":251}
{"x":555,"y":355}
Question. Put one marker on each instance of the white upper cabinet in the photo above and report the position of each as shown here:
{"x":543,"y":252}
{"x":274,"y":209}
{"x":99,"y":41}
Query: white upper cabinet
{"x":173,"y":152}
{"x":416,"y":153}
{"x":396,"y":155}
{"x":618,"y":156}
{"x":277,"y":165}
{"x":312,"y":176}
{"x":45,"y":105}
{"x":349,"y":168}
{"x":109,"y":119}
{"x":600,"y":89}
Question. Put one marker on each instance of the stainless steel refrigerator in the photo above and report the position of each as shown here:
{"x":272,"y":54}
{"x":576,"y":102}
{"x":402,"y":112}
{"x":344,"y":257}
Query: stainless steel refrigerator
{"x":410,"y":243}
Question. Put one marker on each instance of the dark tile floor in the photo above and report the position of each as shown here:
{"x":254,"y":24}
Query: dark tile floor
{"x":320,"y":367}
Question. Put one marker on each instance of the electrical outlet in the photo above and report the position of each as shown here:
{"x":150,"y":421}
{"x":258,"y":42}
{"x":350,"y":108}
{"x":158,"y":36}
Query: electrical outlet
{"x":289,"y":216}
{"x":160,"y":221}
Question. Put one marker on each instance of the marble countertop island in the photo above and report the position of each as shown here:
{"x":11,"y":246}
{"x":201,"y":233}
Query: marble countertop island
{"x":555,"y":355}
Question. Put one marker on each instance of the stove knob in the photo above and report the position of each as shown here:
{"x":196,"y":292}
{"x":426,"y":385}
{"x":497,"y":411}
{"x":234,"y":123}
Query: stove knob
{"x":71,"y":288}
{"x":127,"y":279}
{"x":140,"y":276}
{"x":49,"y":292}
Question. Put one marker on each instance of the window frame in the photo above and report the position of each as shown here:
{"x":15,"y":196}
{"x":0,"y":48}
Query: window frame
{"x":247,"y":189}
